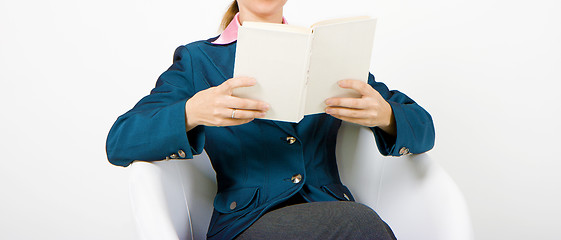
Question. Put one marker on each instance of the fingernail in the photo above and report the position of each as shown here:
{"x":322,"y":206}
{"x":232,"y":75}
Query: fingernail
{"x":328,"y":102}
{"x":328,"y":111}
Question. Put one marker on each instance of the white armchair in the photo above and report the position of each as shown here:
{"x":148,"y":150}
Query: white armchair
{"x":173,"y":199}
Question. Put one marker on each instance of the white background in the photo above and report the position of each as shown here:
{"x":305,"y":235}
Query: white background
{"x":487,"y":71}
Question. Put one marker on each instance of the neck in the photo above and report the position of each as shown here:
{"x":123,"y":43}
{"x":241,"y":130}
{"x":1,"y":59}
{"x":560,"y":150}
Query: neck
{"x":251,"y":17}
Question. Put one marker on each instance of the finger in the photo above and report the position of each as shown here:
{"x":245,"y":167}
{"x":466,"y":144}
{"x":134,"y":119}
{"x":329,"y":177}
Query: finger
{"x":357,"y":103}
{"x":246,"y":114}
{"x":359,"y":121}
{"x":245,"y":103}
{"x":359,"y":86}
{"x":232,"y":122}
{"x":347,"y":112}
{"x":229,"y":85}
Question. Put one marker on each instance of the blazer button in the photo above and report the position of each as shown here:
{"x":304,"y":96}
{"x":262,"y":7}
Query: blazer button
{"x":290,"y":140}
{"x":174,"y":156}
{"x":404,"y":151}
{"x":181,"y":153}
{"x":296,"y":178}
{"x":233,"y":205}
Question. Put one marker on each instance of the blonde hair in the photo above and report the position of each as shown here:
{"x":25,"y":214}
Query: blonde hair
{"x":229,"y":15}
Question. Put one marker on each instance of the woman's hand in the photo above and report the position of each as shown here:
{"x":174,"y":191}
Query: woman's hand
{"x":215,"y":106}
{"x":370,"y":110}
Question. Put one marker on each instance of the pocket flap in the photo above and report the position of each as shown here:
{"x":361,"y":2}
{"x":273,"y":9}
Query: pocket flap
{"x":234,"y":200}
{"x":339,"y":191}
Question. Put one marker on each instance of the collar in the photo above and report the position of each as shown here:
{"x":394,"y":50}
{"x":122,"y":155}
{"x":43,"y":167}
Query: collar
{"x":230,"y":34}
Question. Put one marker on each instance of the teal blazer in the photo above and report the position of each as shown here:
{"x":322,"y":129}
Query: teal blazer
{"x":258,"y":164}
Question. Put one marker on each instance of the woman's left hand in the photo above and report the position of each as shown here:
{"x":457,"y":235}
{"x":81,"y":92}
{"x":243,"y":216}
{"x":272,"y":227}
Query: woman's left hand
{"x":370,"y":110}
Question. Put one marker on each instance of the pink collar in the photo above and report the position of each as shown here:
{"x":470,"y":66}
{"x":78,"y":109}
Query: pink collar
{"x":230,"y":34}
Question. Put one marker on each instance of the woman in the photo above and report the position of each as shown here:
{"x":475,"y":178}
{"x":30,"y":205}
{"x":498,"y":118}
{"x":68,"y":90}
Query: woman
{"x":275,"y":179}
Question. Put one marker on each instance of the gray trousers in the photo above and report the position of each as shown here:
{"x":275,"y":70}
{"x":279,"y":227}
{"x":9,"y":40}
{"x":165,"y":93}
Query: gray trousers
{"x":320,"y":220}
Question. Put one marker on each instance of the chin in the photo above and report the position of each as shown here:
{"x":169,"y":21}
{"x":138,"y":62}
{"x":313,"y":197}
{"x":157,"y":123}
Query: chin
{"x":264,"y":7}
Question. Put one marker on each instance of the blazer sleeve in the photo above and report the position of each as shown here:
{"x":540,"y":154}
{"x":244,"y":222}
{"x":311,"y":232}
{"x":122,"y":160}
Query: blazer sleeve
{"x":154,"y":128}
{"x":415,"y":128}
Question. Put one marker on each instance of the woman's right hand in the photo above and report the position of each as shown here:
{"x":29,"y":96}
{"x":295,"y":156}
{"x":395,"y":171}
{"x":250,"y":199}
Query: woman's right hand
{"x":214,"y":106}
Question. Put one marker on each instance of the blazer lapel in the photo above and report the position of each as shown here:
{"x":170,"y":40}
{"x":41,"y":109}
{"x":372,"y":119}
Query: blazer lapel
{"x":287,"y":127}
{"x":221,"y":56}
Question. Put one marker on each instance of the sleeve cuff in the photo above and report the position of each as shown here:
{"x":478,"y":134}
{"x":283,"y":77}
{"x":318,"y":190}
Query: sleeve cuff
{"x":188,"y":144}
{"x":196,"y":138}
{"x":394,"y":146}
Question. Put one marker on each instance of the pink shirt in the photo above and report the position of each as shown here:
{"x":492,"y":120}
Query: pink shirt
{"x":230,"y":34}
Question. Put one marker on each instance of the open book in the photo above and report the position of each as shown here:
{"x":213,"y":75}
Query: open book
{"x":297,"y":68}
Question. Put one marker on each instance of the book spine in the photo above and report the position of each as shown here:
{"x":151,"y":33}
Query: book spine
{"x":308,"y":55}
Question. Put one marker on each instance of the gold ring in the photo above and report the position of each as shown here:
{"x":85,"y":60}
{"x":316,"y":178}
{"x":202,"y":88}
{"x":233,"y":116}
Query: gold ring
{"x":233,"y":113}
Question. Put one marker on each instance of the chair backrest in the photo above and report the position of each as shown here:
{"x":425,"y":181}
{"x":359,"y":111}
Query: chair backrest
{"x":173,"y":199}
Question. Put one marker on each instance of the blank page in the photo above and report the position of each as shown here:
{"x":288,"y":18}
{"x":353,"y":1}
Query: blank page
{"x":340,"y":50}
{"x":277,"y":60}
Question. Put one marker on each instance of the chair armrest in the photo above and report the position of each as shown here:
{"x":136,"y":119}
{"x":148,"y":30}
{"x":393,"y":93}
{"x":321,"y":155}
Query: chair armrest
{"x":412,"y":193}
{"x":156,"y":195}
{"x":161,"y":193}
